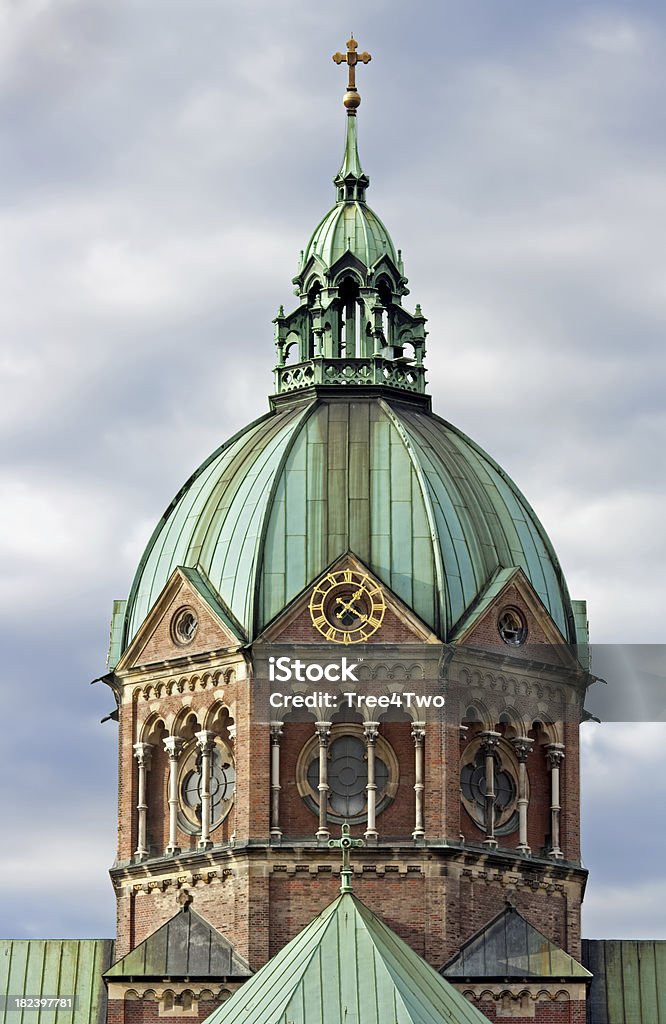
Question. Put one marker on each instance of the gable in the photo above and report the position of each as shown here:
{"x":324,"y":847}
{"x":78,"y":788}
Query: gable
{"x":510,"y":590}
{"x":399,"y":624}
{"x":510,"y":947}
{"x":187,"y":946}
{"x":159,"y":638}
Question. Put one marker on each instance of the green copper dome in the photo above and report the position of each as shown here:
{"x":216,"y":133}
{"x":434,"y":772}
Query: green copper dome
{"x":350,"y":458}
{"x":350,"y":227}
{"x":427,"y":510}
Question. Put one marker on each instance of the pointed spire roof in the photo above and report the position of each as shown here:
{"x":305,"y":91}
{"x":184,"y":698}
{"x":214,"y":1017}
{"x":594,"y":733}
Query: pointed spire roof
{"x":347,"y":965}
{"x":351,"y":174}
{"x":510,"y":947}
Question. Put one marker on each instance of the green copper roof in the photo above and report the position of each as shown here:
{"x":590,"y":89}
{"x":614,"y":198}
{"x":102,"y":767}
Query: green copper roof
{"x":187,"y":946}
{"x":510,"y":947}
{"x":54,"y":967}
{"x":430,"y":513}
{"x":629,"y":985}
{"x":350,"y":168}
{"x":351,"y":225}
{"x":347,"y":965}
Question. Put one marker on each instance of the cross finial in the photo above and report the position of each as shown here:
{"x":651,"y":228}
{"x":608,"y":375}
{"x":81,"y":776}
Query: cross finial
{"x":345,"y":843}
{"x":351,"y":98}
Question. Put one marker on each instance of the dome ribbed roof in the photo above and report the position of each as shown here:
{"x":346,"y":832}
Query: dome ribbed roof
{"x":427,"y":510}
{"x":350,"y":226}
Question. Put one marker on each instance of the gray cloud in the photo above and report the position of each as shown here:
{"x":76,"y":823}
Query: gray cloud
{"x":161,"y":171}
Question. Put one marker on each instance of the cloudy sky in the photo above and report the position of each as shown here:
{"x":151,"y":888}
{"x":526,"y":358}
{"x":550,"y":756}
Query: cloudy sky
{"x":162,"y":166}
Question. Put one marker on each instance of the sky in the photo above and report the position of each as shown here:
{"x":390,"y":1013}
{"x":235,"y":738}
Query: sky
{"x":162,"y":166}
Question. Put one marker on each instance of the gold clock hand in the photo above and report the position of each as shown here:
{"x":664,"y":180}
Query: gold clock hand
{"x":350,"y":608}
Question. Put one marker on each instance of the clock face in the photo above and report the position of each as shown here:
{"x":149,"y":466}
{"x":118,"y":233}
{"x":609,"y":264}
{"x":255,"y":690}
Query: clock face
{"x":347,"y":607}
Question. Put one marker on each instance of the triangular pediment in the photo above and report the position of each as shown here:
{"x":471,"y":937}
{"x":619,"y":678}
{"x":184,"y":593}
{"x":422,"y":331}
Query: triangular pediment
{"x":315,"y":270}
{"x":347,"y":949}
{"x":386,"y":264}
{"x":297,"y":623}
{"x":348,"y":261}
{"x":159,"y":638}
{"x":510,"y":588}
{"x":187,"y":946}
{"x":510,"y":947}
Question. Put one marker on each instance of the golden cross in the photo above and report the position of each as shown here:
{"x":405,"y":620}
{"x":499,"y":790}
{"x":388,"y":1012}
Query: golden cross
{"x":351,"y":57}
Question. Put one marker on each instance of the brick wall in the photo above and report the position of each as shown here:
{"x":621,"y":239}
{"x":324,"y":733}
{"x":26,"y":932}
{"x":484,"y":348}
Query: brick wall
{"x":542,"y":1012}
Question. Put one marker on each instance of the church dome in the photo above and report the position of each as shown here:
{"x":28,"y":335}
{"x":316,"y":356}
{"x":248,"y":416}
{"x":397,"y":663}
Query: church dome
{"x":350,"y":458}
{"x":426,"y":509}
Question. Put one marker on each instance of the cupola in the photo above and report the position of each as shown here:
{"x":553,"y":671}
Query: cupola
{"x":350,"y":327}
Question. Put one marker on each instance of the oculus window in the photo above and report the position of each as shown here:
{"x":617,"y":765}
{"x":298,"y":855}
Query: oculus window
{"x":222,"y":785}
{"x":512,"y":627}
{"x":473,"y":786}
{"x":184,"y":626}
{"x":347,"y":768}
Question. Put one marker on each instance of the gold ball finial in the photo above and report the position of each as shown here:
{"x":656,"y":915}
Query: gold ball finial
{"x":352,"y":100}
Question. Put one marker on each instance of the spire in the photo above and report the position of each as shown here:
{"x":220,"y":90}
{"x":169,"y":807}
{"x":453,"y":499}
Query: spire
{"x":351,"y":181}
{"x":350,"y":328}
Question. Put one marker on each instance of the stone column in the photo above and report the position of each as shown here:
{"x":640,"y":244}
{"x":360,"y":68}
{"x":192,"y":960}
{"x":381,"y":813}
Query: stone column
{"x":418,"y":735}
{"x":276,"y":733}
{"x":142,"y":753}
{"x":174,"y":747}
{"x":555,"y":756}
{"x":490,"y":741}
{"x":522,"y":747}
{"x":206,"y":741}
{"x":371,"y":730}
{"x":324,"y":733}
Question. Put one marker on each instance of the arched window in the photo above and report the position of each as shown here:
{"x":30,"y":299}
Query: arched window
{"x":350,"y":319}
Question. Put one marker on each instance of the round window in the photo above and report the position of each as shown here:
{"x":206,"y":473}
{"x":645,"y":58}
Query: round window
{"x":222,"y":785}
{"x":347,"y":764}
{"x":473,"y":786}
{"x":512,"y":627}
{"x":184,"y":626}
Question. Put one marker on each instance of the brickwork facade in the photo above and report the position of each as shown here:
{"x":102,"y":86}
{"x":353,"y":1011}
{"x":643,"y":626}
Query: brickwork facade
{"x":260,"y":888}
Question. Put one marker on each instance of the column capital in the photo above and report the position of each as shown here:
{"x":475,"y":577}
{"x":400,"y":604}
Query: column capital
{"x":522,"y":747}
{"x":174,"y":746}
{"x":205,"y":739}
{"x":276,"y":731}
{"x":554,"y":754}
{"x":490,"y":740}
{"x":371,"y":731}
{"x":418,"y":733}
{"x":323,"y":730}
{"x":143,"y":753}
